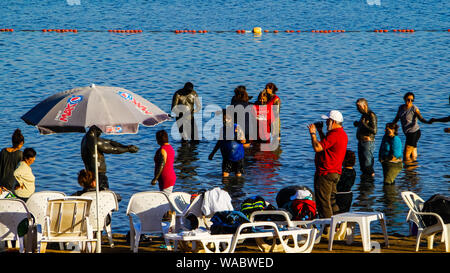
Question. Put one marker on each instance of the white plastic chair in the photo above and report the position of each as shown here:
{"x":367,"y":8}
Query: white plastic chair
{"x":287,"y":223}
{"x":37,"y":205}
{"x":227,"y":243}
{"x":67,"y":220}
{"x":180,"y":220}
{"x":415,"y":205}
{"x":146,"y":211}
{"x":107,"y":204}
{"x":179,"y":201}
{"x":12,"y":212}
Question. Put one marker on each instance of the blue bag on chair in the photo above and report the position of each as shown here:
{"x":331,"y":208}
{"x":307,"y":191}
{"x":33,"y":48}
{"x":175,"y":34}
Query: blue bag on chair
{"x":227,"y":222}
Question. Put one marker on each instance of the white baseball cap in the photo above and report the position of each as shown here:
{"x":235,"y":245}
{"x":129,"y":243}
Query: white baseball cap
{"x":334,"y":115}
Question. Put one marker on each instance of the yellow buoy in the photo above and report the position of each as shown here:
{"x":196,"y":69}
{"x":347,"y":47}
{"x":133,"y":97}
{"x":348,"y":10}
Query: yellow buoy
{"x":257,"y":30}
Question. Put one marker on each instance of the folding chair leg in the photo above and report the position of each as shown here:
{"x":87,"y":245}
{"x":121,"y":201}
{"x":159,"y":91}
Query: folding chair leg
{"x":446,"y":238}
{"x":430,"y":240}
{"x":109,"y":232}
{"x":419,"y":234}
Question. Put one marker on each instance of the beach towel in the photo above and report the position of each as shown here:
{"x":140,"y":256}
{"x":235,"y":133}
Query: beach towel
{"x":216,"y":200}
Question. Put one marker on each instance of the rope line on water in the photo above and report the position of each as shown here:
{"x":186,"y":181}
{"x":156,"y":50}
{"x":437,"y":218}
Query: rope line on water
{"x":239,"y":31}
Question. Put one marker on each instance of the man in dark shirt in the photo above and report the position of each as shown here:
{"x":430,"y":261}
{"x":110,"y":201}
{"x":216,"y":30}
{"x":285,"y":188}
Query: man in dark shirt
{"x":365,"y":133}
{"x":185,"y":103}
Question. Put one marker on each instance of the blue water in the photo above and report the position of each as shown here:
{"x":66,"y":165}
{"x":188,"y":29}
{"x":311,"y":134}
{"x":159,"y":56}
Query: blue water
{"x":314,"y":72}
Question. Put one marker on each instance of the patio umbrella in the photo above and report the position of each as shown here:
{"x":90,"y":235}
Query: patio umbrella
{"x":114,"y":110}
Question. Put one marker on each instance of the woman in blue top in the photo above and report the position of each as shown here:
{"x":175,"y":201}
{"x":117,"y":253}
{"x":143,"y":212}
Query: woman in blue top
{"x":390,"y":154}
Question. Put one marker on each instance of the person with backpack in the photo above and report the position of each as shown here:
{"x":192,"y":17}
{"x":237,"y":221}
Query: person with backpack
{"x":231,"y":147}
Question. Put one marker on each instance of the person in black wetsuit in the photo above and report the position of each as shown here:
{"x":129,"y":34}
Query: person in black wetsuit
{"x":104,"y":146}
{"x":186,"y":97}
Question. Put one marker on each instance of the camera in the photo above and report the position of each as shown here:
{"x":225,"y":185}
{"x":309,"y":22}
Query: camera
{"x":319,"y":125}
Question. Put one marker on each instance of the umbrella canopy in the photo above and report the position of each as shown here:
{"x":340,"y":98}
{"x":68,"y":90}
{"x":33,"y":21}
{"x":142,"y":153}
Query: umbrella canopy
{"x":114,"y":110}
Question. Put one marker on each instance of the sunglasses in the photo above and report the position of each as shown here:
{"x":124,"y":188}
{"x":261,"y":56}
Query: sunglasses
{"x":409,"y":100}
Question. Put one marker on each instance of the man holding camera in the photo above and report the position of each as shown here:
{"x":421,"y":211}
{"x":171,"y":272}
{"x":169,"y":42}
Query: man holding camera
{"x":330,"y":153}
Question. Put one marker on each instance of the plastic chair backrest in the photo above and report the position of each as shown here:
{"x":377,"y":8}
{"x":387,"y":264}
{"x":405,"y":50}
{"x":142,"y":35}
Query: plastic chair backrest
{"x":415,"y":204}
{"x":37,"y":204}
{"x":195,"y":207}
{"x":12,"y":212}
{"x":179,"y":201}
{"x":107,"y":203}
{"x":67,"y":217}
{"x":149,"y":207}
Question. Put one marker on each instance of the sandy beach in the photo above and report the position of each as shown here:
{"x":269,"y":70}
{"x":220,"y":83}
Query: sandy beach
{"x":397,"y":244}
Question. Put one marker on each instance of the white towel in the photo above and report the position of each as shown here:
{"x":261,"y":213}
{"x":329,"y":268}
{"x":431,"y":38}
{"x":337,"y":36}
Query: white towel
{"x":216,"y":200}
{"x":302,"y":194}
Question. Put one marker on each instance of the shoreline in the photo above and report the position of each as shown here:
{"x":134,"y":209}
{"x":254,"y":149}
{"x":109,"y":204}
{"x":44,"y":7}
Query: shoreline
{"x":397,"y":244}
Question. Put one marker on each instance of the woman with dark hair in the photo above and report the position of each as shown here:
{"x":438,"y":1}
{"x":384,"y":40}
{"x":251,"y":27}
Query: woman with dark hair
{"x":240,"y":96}
{"x":273,"y":106}
{"x":390,"y":154}
{"x":408,"y":114}
{"x":242,"y":116}
{"x":9,"y":159}
{"x":164,"y":158}
{"x":86,"y":179}
{"x":24,"y":175}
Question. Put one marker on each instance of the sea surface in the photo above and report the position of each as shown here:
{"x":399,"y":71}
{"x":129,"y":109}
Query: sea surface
{"x":315,"y":73}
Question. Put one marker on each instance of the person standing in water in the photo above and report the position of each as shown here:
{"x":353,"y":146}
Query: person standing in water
{"x":274,"y":105}
{"x":444,"y":119}
{"x":365,"y":133}
{"x":409,"y":114}
{"x":185,"y":103}
{"x":164,"y":158}
{"x":330,"y":153}
{"x":231,"y":147}
{"x":390,"y":154}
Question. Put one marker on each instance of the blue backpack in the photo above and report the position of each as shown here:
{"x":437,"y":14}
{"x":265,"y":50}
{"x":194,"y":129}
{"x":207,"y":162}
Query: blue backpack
{"x":227,"y":222}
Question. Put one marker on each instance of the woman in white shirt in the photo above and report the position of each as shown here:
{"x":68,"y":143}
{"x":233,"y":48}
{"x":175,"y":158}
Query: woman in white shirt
{"x":24,"y":176}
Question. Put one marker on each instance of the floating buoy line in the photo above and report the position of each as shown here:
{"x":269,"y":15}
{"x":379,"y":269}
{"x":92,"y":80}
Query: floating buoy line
{"x":256,"y":30}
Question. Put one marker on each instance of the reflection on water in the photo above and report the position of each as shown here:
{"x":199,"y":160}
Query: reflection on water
{"x":365,"y":198}
{"x":264,"y":168}
{"x":185,"y":162}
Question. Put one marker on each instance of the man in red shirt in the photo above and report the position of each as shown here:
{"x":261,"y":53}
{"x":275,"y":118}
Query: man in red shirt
{"x":330,"y":153}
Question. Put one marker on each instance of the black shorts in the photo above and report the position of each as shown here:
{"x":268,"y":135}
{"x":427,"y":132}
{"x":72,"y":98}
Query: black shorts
{"x":413,"y":138}
{"x":229,"y":166}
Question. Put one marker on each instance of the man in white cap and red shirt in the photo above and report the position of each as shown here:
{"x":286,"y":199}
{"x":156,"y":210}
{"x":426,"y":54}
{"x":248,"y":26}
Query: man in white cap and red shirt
{"x":330,"y":153}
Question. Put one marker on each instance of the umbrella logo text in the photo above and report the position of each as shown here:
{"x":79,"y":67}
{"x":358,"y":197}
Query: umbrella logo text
{"x":72,"y":102}
{"x":131,"y":99}
{"x":114,"y":129}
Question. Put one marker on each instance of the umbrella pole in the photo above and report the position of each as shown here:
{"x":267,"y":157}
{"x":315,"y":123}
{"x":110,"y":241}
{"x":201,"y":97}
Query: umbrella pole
{"x":99,"y":232}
